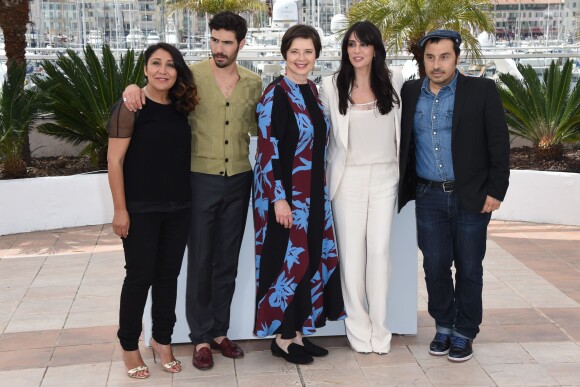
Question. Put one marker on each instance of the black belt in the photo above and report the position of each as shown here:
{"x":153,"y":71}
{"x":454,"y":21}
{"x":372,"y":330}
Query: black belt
{"x":445,"y":186}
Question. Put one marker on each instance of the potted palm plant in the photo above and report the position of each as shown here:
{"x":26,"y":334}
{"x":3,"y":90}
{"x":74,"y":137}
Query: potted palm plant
{"x":19,"y":109}
{"x":81,"y":91}
{"x":546,"y":111}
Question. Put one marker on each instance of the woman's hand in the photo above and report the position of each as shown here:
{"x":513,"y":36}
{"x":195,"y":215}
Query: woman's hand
{"x":283,"y":213}
{"x":121,"y":223}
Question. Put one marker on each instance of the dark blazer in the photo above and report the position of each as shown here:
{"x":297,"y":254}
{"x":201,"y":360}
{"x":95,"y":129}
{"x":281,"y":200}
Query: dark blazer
{"x":480,"y":143}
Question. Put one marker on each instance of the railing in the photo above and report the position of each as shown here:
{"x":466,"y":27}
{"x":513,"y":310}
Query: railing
{"x":268,"y":62}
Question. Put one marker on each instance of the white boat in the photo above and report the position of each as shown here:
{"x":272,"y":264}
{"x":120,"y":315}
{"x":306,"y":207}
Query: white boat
{"x":153,"y":38}
{"x":171,"y":35}
{"x":95,"y":38}
{"x":135,"y":38}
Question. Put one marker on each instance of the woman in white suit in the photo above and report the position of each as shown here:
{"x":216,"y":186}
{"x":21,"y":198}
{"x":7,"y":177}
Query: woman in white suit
{"x":363,"y":104}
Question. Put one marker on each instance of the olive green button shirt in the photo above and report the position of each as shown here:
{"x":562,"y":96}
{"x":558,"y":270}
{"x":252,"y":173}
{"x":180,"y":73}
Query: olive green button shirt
{"x":221,"y":127}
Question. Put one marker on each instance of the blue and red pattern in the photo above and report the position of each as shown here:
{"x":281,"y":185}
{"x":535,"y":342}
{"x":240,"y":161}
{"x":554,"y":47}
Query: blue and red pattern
{"x":268,"y":189}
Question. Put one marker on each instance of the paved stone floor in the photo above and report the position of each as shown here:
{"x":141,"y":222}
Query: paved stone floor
{"x":59,"y":295}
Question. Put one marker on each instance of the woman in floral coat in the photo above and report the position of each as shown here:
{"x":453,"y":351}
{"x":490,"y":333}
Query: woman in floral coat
{"x":298,"y":280}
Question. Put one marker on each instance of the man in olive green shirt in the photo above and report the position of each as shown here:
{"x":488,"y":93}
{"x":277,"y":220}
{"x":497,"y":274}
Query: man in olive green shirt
{"x":221,"y":179}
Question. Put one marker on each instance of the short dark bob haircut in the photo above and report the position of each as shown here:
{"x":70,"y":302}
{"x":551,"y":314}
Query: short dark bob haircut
{"x":300,"y":31}
{"x":229,"y":21}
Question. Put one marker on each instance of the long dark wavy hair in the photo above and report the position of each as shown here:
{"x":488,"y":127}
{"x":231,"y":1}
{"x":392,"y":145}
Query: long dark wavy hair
{"x":381,"y":84}
{"x":184,"y":93}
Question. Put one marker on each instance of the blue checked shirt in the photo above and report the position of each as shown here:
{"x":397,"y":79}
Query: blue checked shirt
{"x":432,"y":130}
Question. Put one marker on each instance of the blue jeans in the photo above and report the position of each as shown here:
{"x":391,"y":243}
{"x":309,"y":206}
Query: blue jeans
{"x":447,"y":234}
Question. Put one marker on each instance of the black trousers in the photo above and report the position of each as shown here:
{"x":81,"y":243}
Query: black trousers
{"x":153,"y":254}
{"x":219,"y":208}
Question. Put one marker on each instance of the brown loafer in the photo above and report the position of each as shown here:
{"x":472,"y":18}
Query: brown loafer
{"x":228,"y":348}
{"x":202,"y":359}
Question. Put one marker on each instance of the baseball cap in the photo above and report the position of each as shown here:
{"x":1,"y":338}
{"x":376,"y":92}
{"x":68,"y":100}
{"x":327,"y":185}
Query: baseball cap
{"x":441,"y":34}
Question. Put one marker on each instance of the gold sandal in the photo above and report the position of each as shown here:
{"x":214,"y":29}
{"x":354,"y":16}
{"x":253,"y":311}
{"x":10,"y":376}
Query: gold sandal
{"x":167,"y":367}
{"x":133,"y":373}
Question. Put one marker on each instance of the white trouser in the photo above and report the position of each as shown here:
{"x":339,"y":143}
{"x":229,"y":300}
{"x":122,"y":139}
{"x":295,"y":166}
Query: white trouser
{"x":363,"y":211}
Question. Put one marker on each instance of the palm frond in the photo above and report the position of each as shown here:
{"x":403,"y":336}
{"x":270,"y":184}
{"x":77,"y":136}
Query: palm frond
{"x":547,"y":111}
{"x":404,"y":22}
{"x":81,"y":92}
{"x":216,"y":6}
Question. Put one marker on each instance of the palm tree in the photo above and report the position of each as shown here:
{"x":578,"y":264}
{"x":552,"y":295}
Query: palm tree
{"x":546,"y":112}
{"x":19,"y":109}
{"x":216,"y":6}
{"x":81,"y":92}
{"x":13,"y":21}
{"x":404,"y":22}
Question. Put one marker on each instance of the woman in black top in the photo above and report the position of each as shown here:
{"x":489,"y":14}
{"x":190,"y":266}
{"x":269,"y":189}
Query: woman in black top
{"x":149,"y":157}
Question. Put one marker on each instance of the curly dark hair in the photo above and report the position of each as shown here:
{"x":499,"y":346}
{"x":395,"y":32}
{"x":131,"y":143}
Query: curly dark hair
{"x":381,"y":84}
{"x":184,"y":93}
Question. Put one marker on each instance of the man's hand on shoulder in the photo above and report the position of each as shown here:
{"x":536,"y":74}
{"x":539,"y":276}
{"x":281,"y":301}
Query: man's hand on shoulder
{"x":133,"y":98}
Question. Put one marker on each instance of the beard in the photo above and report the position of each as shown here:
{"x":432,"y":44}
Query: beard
{"x":222,"y":60}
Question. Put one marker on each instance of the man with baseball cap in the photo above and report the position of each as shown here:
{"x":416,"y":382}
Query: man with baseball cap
{"x":454,"y":162}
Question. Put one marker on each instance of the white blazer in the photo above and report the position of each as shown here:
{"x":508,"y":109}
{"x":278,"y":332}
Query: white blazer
{"x":338,"y":139}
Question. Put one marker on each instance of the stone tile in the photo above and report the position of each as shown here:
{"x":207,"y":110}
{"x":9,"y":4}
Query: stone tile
{"x":513,"y":316}
{"x":82,"y":354}
{"x":399,"y":356}
{"x":538,"y":332}
{"x":261,"y":362}
{"x":92,"y":318}
{"x":29,"y":251}
{"x":25,"y":358}
{"x":565,"y":374}
{"x":504,"y":300}
{"x":563,"y":315}
{"x":16,"y":282}
{"x":36,"y":323}
{"x":347,"y":377}
{"x":20,"y":266}
{"x":554,"y":352}
{"x":337,"y":358}
{"x":104,"y":289}
{"x":56,"y":280}
{"x":460,"y":374}
{"x":270,"y":380}
{"x":222,"y":366}
{"x":425,"y":359}
{"x":207,"y":381}
{"x":50,"y":293}
{"x":556,"y":300}
{"x":92,"y":335}
{"x":405,"y":375}
{"x":22,"y":378}
{"x":36,"y":307}
{"x":572,"y":330}
{"x":88,"y":304}
{"x":501,"y":353}
{"x":29,"y":340}
{"x":519,"y":375}
{"x":86,"y":375}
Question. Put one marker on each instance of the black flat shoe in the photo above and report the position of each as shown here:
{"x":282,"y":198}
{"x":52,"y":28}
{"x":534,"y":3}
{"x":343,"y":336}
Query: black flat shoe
{"x":295,"y":354}
{"x":313,"y":349}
